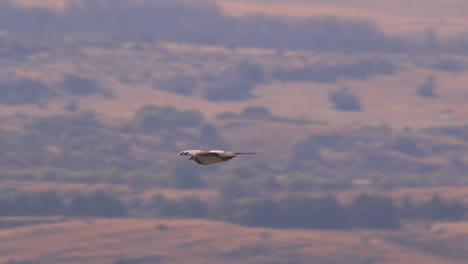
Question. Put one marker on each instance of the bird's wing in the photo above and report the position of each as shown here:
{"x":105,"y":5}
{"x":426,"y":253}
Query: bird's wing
{"x":191,"y":152}
{"x":209,"y":154}
{"x":223,"y":153}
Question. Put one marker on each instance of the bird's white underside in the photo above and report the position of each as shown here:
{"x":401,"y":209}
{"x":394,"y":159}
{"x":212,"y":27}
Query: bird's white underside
{"x":212,"y":156}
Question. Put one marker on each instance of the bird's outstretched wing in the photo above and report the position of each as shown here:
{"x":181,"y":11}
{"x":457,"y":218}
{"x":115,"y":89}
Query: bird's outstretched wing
{"x":212,"y":156}
{"x":191,"y":152}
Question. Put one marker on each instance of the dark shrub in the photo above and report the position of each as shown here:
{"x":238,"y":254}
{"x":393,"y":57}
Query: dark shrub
{"x":228,"y":89}
{"x":251,"y":72}
{"x":256,"y":112}
{"x":407,"y":145}
{"x":373,"y":212}
{"x":151,"y":118}
{"x":79,"y":86}
{"x":427,"y":89}
{"x":439,"y":209}
{"x":345,"y":100}
{"x":324,"y":73}
{"x":24,"y":91}
{"x":98,"y":204}
{"x":181,"y":85}
{"x":183,"y":175}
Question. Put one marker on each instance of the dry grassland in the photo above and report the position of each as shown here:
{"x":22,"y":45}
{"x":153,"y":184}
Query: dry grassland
{"x":190,"y":241}
{"x":386,"y":99}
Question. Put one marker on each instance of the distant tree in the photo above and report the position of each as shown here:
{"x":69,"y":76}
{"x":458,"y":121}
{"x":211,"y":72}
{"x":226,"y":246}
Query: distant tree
{"x":306,"y":150}
{"x":407,"y":208}
{"x":264,"y":213}
{"x":183,"y":175}
{"x":76,"y":85}
{"x":432,"y":39}
{"x":456,"y":210}
{"x":454,"y":131}
{"x":303,"y":212}
{"x":206,"y":24}
{"x":437,"y":208}
{"x":407,"y":145}
{"x":256,"y":112}
{"x":72,"y":132}
{"x":98,"y":204}
{"x":210,"y":135}
{"x":329,"y":213}
{"x":22,"y":261}
{"x":249,"y":71}
{"x":345,"y":100}
{"x":79,"y":205}
{"x":228,"y":88}
{"x":187,"y":207}
{"x":142,"y":260}
{"x":71,"y":106}
{"x":427,"y":89}
{"x":226,"y":115}
{"x":152,"y":118}
{"x":123,"y":260}
{"x":163,"y":206}
{"x":189,"y":118}
{"x":181,"y":85}
{"x":193,"y":207}
{"x":232,"y":189}
{"x":373,"y":212}
{"x":48,"y":203}
{"x":41,"y":203}
{"x":329,"y":73}
{"x":448,"y":65}
{"x":293,"y":212}
{"x":24,"y":91}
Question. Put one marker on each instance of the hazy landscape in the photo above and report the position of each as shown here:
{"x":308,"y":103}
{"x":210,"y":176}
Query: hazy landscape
{"x":358,"y":110}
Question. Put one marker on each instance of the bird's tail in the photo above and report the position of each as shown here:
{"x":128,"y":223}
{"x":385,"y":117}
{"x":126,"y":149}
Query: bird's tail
{"x":240,"y":153}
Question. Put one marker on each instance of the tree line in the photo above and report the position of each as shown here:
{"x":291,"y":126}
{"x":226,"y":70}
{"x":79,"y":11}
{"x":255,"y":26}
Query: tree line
{"x":49,"y":203}
{"x":122,"y":21}
{"x":364,"y":211}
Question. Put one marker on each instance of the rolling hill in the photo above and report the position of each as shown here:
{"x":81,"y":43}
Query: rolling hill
{"x":88,"y":108}
{"x":179,"y":241}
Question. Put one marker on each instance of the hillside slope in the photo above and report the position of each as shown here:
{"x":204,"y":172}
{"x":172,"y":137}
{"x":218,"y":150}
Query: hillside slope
{"x":187,"y":241}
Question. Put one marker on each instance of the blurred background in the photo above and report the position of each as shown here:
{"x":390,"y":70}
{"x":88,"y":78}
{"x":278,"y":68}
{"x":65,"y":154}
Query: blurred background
{"x":358,"y":109}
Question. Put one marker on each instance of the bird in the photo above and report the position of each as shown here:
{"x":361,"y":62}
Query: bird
{"x":204,"y":157}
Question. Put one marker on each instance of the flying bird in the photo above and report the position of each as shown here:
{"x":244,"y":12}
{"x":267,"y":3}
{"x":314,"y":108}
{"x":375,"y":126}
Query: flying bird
{"x":212,"y":156}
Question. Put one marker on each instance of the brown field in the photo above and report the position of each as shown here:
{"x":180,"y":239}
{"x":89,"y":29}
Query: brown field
{"x":386,"y":99}
{"x":389,"y":100}
{"x":193,"y":241}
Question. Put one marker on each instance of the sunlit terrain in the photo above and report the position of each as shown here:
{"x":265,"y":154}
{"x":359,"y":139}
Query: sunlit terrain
{"x":358,"y":110}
